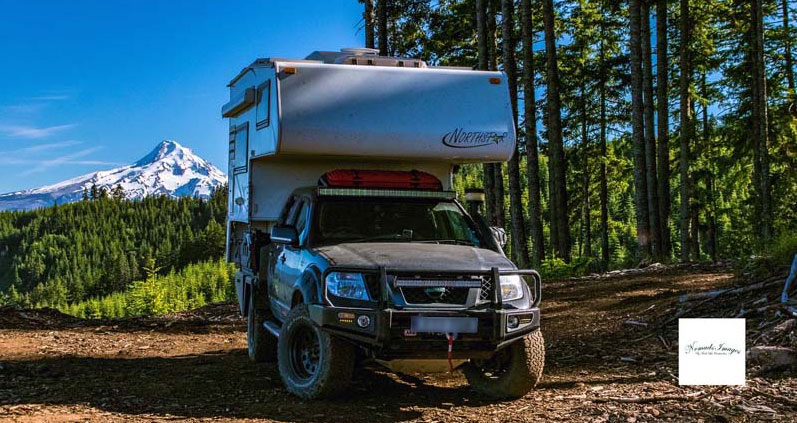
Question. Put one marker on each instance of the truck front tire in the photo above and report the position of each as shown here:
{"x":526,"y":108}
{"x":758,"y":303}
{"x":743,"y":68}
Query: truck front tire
{"x":261,"y":345}
{"x":312,"y":363}
{"x":512,"y":372}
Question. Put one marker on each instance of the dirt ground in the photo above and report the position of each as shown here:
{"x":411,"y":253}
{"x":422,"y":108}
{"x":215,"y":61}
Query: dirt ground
{"x":192,"y":367}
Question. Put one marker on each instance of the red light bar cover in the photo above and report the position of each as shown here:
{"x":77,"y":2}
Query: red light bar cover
{"x":392,"y":179}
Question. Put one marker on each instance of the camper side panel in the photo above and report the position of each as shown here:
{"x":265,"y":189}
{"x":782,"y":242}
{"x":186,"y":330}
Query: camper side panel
{"x":394,"y":113}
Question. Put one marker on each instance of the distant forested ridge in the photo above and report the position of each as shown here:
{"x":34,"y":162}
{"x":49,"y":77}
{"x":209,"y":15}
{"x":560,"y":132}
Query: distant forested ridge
{"x":99,"y":246}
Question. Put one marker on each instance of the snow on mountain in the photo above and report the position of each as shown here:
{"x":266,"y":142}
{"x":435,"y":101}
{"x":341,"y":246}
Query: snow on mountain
{"x":169,"y":169}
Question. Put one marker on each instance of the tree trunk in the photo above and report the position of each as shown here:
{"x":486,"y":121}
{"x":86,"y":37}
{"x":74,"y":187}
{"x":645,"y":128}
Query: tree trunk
{"x":492,"y":34}
{"x":711,"y":205}
{"x":519,"y":239}
{"x":552,"y":205}
{"x":492,"y":62}
{"x":587,"y":227}
{"x":368,"y":18}
{"x":686,"y":129}
{"x":787,"y":54}
{"x":604,"y":189}
{"x":488,"y":171}
{"x":638,"y":118}
{"x":663,"y":146}
{"x":557,"y":153}
{"x":760,"y":125}
{"x":650,"y":133}
{"x":381,"y":10}
{"x":530,"y":118}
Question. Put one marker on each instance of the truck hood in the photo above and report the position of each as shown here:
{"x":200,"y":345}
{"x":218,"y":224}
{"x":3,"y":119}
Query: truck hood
{"x":415,"y":256}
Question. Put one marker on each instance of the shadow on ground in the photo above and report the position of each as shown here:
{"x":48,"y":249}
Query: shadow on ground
{"x":217,"y":383}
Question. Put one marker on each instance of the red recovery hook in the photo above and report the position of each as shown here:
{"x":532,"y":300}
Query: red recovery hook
{"x":450,"y":337}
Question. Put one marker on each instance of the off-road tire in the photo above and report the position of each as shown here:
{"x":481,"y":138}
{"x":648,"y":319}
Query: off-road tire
{"x":261,"y":345}
{"x":522,"y":373}
{"x":335,"y":359}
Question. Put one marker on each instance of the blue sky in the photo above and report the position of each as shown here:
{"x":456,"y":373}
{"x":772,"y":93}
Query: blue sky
{"x":87,"y":85}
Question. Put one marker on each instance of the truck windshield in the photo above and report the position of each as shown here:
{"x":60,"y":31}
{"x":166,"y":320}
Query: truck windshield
{"x":342,"y":220}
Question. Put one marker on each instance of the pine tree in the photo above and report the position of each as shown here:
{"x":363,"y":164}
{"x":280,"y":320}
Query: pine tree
{"x":530,"y":119}
{"x":787,"y":58}
{"x":663,"y":126}
{"x":488,"y":169}
{"x":519,"y":240}
{"x":760,"y":124}
{"x":686,"y":130}
{"x":368,"y":21}
{"x":381,"y":10}
{"x":118,"y":193}
{"x":650,"y":133}
{"x":640,"y":181}
{"x":559,"y":210}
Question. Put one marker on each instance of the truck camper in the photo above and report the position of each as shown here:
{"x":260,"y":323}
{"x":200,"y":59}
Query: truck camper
{"x":350,"y":242}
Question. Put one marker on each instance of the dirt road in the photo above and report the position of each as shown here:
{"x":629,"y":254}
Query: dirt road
{"x":193,"y":368}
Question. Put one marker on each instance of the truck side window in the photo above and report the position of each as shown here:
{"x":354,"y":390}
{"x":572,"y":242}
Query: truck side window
{"x":287,"y":211}
{"x":301,"y":218}
{"x":263,"y":99}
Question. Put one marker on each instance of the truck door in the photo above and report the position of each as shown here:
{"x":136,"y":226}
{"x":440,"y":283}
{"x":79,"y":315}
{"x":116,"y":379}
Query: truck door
{"x":290,"y":262}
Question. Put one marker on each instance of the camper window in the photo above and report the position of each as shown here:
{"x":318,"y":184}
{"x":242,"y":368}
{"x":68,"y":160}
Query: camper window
{"x":263,"y":104}
{"x":239,"y":148}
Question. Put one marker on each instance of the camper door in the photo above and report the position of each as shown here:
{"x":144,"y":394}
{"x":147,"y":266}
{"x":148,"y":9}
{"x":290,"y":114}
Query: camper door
{"x":239,"y":173}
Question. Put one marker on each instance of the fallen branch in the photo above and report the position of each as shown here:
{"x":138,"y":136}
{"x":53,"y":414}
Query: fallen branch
{"x":655,"y":398}
{"x":780,"y":398}
{"x":738,"y":290}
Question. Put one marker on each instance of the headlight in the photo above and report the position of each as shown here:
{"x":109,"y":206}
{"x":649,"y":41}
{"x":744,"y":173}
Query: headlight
{"x":347,"y":285}
{"x":511,"y":287}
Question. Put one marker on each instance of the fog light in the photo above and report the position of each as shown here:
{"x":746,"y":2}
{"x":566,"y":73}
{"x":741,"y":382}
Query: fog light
{"x":346,"y":317}
{"x":512,"y":322}
{"x":363,"y":321}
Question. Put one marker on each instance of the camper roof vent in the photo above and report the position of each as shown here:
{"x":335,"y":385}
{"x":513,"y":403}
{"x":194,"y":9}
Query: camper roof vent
{"x":360,"y":51}
{"x":364,"y":56}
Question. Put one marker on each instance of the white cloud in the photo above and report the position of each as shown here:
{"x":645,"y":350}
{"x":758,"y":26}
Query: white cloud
{"x":31,"y":132}
{"x":23,"y":108}
{"x":66,"y":159}
{"x":51,"y":97}
{"x":40,"y":165}
{"x":44,"y":147}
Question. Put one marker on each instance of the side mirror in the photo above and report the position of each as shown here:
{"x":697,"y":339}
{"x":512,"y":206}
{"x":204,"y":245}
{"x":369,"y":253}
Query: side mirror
{"x":283,"y":234}
{"x":500,"y":235}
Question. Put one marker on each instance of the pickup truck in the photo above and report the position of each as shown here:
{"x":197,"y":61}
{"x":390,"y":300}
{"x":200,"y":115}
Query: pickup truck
{"x":352,"y":274}
{"x":343,"y":222}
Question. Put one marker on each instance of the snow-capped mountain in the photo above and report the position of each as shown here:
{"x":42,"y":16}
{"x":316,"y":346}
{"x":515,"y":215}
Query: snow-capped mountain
{"x":170,"y":169}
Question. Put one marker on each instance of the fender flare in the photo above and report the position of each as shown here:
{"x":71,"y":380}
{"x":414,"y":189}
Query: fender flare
{"x":309,"y":286}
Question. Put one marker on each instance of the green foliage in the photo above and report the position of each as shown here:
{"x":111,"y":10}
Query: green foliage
{"x":784,"y":248}
{"x":722,"y":165}
{"x":195,"y":286}
{"x":98,"y":246}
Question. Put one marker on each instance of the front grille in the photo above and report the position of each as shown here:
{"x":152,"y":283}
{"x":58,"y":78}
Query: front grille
{"x":449,"y":289}
{"x":435,"y":295}
{"x":484,"y":292}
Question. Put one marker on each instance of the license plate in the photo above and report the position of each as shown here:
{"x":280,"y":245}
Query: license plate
{"x":426,"y":324}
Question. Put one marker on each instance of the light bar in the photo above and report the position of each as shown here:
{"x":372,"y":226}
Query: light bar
{"x":436,"y":283}
{"x":398,"y":193}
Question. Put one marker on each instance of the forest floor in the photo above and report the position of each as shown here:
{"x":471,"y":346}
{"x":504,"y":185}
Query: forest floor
{"x":603,"y":364}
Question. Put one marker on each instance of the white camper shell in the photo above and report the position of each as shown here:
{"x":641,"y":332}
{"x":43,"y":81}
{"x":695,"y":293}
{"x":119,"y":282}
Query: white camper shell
{"x":293,"y":120}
